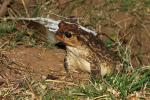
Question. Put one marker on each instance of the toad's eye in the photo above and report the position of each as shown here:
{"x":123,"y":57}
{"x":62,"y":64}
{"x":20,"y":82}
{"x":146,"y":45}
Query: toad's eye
{"x":68,"y":34}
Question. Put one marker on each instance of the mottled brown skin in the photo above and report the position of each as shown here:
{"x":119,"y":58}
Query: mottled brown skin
{"x":86,"y":52}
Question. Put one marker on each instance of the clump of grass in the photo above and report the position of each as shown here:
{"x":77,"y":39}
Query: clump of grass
{"x":59,"y":95}
{"x":128,"y":83}
{"x":23,"y":37}
{"x":9,"y":31}
{"x":36,"y":10}
{"x":6,"y":27}
{"x":112,"y":87}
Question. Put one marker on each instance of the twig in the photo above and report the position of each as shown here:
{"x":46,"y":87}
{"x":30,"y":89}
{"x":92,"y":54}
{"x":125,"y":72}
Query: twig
{"x":147,"y":31}
{"x":78,"y":94}
{"x":30,"y":87}
{"x":124,"y":36}
{"x":15,"y":11}
{"x":58,"y":81}
{"x":63,"y":16}
{"x":97,"y":98}
{"x":115,"y":23}
{"x":25,"y":7}
{"x":108,"y":37}
{"x":118,"y":22}
{"x":11,"y":13}
{"x":4,"y":44}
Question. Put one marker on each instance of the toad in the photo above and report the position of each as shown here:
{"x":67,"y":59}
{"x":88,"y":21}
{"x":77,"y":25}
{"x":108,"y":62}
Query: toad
{"x":86,"y":52}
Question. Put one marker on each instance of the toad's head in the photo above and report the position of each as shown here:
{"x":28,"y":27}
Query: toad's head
{"x":68,"y":34}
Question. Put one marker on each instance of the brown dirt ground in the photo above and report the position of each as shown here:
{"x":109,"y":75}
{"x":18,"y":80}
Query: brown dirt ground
{"x":39,"y":60}
{"x":42,"y":64}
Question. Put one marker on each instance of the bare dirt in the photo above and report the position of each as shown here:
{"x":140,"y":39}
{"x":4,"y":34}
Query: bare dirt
{"x":41,"y":64}
{"x":39,"y":60}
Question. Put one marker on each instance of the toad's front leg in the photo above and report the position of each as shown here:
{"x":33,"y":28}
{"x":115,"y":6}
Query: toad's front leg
{"x":66,"y":64}
{"x":95,"y":72}
{"x":69,"y":64}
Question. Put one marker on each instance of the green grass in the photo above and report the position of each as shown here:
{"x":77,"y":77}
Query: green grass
{"x":21,"y":36}
{"x":6,"y":27}
{"x":124,"y":84}
{"x":128,"y":83}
